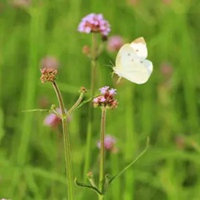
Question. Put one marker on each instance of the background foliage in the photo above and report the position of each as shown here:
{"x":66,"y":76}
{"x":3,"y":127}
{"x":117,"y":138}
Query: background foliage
{"x":166,"y":108}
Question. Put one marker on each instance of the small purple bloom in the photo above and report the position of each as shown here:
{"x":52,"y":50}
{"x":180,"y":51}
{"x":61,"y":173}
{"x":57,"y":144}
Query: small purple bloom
{"x":49,"y":62}
{"x":53,"y":120}
{"x":95,"y":100}
{"x":94,"y":23}
{"x":112,"y":92}
{"x":106,"y":98}
{"x":115,"y":43}
{"x":102,"y":99}
{"x":109,"y":143}
{"x":104,"y":89}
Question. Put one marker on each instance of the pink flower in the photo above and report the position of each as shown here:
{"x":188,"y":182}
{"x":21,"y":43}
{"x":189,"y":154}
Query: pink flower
{"x":95,"y":100}
{"x":102,"y":99}
{"x":106,"y":99}
{"x":109,"y":143}
{"x":94,"y":23}
{"x":104,"y":89}
{"x":49,"y":62}
{"x":114,"y":43}
{"x":52,"y":119}
{"x":112,"y":92}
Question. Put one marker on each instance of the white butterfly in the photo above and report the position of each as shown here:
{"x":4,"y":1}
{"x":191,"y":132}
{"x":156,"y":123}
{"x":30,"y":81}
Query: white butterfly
{"x":131,"y":62}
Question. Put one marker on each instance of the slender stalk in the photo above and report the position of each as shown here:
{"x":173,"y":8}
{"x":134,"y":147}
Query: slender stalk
{"x":93,"y":63}
{"x":66,"y":138}
{"x":102,"y":153}
{"x":76,"y":104}
{"x":90,"y":111}
{"x":60,"y":100}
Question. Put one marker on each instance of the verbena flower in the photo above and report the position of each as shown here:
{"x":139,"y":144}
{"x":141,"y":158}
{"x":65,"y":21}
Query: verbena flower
{"x":52,"y":119}
{"x":94,"y":23}
{"x":109,"y":143}
{"x":104,"y":89}
{"x":115,"y":43}
{"x":49,"y":62}
{"x":106,"y":99}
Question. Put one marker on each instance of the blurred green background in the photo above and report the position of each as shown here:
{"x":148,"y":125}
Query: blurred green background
{"x":166,"y":108}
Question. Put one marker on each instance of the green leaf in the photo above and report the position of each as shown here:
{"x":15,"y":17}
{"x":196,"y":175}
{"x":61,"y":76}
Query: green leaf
{"x":132,"y":163}
{"x":84,"y":102}
{"x":36,"y":110}
{"x":87,"y":186}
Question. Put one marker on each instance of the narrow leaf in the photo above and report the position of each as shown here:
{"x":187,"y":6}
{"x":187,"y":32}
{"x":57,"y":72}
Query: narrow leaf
{"x":132,"y":163}
{"x":87,"y":186}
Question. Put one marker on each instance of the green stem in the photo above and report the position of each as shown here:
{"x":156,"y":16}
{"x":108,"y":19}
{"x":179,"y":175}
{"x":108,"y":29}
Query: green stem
{"x":90,"y":112}
{"x":93,"y":63}
{"x":76,"y":104}
{"x":60,"y":100}
{"x":102,"y":153}
{"x":66,"y":138}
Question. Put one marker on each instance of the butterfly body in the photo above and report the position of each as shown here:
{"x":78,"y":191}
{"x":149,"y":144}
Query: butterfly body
{"x":131,"y":62}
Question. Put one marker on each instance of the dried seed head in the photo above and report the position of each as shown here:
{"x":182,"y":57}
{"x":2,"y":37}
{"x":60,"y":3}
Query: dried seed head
{"x":48,"y":74}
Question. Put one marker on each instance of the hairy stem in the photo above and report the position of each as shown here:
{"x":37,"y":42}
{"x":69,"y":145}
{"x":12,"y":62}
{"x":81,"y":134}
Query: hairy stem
{"x":66,"y":138}
{"x":90,"y":111}
{"x":102,"y":153}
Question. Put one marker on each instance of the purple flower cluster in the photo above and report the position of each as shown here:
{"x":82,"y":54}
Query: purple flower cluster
{"x":94,"y":23}
{"x":106,"y":99}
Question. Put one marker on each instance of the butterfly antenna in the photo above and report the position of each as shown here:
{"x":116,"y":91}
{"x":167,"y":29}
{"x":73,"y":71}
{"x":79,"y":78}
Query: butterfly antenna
{"x":111,"y":65}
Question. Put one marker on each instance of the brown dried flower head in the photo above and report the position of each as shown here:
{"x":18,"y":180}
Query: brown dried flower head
{"x":48,"y":74}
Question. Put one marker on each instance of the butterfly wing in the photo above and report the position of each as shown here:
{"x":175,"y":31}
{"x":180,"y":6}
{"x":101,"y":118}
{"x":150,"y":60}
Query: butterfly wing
{"x":131,"y":63}
{"x":124,"y":57}
{"x":138,"y":72}
{"x":139,"y":46}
